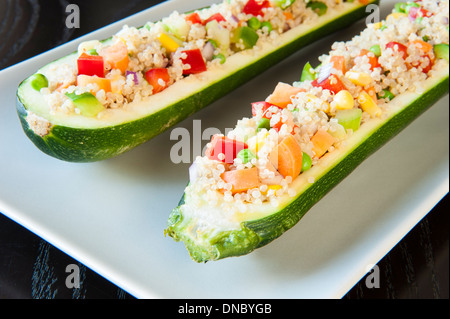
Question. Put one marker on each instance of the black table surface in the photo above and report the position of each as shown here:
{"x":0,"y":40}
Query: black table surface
{"x":31,"y":268}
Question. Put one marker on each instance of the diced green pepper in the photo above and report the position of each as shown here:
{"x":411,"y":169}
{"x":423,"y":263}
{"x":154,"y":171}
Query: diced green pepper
{"x":441,"y":51}
{"x":318,"y":7}
{"x":245,"y":35}
{"x":308,"y":73}
{"x":39,"y":81}
{"x":246,"y":156}
{"x":87,"y":103}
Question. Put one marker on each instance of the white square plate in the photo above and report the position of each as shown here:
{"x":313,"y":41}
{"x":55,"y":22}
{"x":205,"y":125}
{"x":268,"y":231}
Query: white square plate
{"x":111,"y":215}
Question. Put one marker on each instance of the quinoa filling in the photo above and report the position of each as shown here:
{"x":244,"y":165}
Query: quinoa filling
{"x":139,"y":62}
{"x":298,"y":125}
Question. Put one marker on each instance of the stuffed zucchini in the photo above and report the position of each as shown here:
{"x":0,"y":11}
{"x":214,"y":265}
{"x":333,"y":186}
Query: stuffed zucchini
{"x":113,"y":95}
{"x":258,"y":181}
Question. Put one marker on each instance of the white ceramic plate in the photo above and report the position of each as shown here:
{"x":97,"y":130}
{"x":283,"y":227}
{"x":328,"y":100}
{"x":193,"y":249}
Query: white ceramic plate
{"x":111,"y":215}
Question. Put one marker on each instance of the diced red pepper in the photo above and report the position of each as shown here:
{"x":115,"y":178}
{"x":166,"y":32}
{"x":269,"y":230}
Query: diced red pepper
{"x":398,"y":47}
{"x":194,"y":18}
{"x":265,"y":108}
{"x":226,"y":146}
{"x":195,"y":59}
{"x":158,"y":78}
{"x":332,"y":83}
{"x":91,"y":65}
{"x":373,"y":60}
{"x":255,"y":7}
{"x":218,"y":17}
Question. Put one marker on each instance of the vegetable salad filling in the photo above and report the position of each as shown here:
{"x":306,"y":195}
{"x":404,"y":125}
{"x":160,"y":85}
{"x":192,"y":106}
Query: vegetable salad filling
{"x":139,"y":62}
{"x":297,"y":125}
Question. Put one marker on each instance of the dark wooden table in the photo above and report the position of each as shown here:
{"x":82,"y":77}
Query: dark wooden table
{"x":417,"y":267}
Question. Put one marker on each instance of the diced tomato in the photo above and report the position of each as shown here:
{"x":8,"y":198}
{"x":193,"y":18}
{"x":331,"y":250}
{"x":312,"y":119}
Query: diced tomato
{"x":423,"y":46}
{"x":282,"y":94}
{"x":373,"y":60}
{"x":158,"y":78}
{"x":226,"y":146}
{"x":398,"y":47}
{"x":91,"y":65}
{"x":338,"y":63}
{"x":332,"y":83}
{"x":194,"y":18}
{"x":255,"y":7}
{"x":195,"y":59}
{"x":265,"y":108}
{"x":218,"y":17}
{"x":427,"y":50}
{"x":429,"y":66}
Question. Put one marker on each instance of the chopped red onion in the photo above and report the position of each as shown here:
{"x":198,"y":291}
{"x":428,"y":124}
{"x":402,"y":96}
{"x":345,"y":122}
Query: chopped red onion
{"x":208,"y":51}
{"x":135,"y":77}
{"x":325,"y":72}
{"x":234,"y":18}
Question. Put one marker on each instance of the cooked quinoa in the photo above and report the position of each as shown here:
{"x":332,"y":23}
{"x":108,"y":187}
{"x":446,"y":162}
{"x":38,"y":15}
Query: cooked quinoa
{"x":386,"y":59}
{"x":148,"y":50}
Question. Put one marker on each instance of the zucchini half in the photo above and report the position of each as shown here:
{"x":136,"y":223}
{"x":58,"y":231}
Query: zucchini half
{"x":76,"y":138}
{"x":263,"y":223}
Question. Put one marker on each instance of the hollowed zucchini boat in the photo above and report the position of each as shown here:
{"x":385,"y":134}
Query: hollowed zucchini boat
{"x":78,"y":128}
{"x":227,"y":209}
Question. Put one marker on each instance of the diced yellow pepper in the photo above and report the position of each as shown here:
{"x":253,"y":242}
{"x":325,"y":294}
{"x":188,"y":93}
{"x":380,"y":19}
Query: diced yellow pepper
{"x":168,"y":43}
{"x":368,"y":104}
{"x":275,"y":188}
{"x":256,"y":143}
{"x":344,"y":100}
{"x":359,"y":78}
{"x":325,"y":104}
{"x":378,"y":25}
{"x":117,"y":84}
{"x":396,"y":15}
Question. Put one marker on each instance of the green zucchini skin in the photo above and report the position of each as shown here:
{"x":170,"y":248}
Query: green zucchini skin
{"x":257,"y":233}
{"x":90,"y":145}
